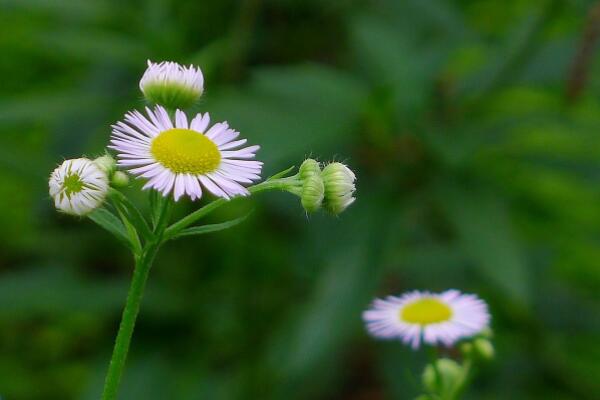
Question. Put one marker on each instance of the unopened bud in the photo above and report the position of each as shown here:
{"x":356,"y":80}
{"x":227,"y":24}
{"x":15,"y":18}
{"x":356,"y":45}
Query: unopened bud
{"x":484,"y":349}
{"x":106,"y":163}
{"x":312,"y":193}
{"x":119,"y":179}
{"x":443,"y":378}
{"x":313,"y":189}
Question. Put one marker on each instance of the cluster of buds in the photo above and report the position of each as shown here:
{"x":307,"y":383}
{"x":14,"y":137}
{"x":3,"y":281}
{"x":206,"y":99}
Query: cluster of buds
{"x":446,"y":378}
{"x":331,"y":188}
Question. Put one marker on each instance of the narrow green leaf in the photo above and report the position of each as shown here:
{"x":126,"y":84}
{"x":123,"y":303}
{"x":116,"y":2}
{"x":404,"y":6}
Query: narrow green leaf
{"x":132,"y":232}
{"x":200,"y":230}
{"x":110,"y":222}
{"x":485,"y":236}
{"x":132,"y":214}
{"x":281,"y":174}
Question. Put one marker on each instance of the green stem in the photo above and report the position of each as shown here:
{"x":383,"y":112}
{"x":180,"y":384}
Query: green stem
{"x":143,"y":263}
{"x":130,"y":313}
{"x":466,"y":376}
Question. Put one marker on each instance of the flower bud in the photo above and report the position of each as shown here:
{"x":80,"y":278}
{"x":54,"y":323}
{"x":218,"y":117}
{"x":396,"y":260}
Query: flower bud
{"x":312,"y":193}
{"x":106,"y":163}
{"x":119,"y":179}
{"x":309,"y":168}
{"x":171,"y":85}
{"x":78,"y":186}
{"x":446,"y":376}
{"x":339,"y":187}
{"x":484,"y":349}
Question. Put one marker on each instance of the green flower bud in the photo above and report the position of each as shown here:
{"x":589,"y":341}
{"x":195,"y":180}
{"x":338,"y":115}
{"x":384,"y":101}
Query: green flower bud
{"x":312,"y":193}
{"x":309,"y":168}
{"x":313,"y":189}
{"x":106,"y":163}
{"x":119,"y":179}
{"x":172,"y":85}
{"x":339,"y":187}
{"x":445,"y":380}
{"x":484,"y":349}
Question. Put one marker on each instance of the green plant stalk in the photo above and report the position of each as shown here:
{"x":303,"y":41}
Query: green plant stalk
{"x":130,"y":313}
{"x":143,"y":263}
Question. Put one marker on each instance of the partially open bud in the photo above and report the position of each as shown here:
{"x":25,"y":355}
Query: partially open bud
{"x":171,"y":85}
{"x":339,"y":187}
{"x":78,"y":186}
{"x":444,"y":378}
{"x":313,"y":188}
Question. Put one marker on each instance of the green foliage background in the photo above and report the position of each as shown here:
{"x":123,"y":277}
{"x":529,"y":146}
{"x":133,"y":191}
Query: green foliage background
{"x":475,"y":172}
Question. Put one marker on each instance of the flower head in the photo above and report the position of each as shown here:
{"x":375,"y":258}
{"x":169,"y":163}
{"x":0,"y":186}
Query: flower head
{"x":78,"y":186}
{"x":339,"y":187}
{"x":172,"y":85}
{"x":433,"y":318}
{"x":182,"y":157}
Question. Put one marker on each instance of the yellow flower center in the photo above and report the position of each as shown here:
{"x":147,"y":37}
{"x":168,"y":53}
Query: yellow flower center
{"x":185,"y":151}
{"x":425,"y":311}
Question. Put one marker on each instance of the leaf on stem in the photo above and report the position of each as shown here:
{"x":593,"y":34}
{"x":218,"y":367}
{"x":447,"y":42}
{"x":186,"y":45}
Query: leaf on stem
{"x":132,"y":213}
{"x":111,"y":223}
{"x":200,"y":230}
{"x":281,"y":174}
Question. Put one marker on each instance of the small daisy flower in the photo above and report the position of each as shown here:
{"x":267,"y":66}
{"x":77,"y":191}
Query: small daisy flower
{"x":78,"y":186}
{"x":172,"y":85}
{"x":182,"y":157}
{"x":432,"y":318}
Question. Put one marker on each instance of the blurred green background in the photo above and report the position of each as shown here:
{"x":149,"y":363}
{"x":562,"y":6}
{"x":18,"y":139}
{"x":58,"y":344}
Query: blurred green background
{"x":474,"y":128}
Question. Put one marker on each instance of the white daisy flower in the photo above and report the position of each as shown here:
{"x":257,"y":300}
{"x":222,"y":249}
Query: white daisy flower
{"x":184,"y":157}
{"x":432,"y":318}
{"x":78,"y":186}
{"x":172,"y":85}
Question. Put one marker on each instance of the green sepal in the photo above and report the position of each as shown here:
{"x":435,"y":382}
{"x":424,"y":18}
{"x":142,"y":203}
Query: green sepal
{"x":201,"y":230}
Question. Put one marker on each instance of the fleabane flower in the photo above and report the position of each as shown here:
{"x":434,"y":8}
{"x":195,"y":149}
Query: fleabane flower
{"x":78,"y":186}
{"x":338,"y":180}
{"x":432,"y":318}
{"x":183,"y":158}
{"x":172,"y":85}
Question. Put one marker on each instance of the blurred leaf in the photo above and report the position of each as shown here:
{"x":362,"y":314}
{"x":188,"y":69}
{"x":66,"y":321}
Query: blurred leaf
{"x":56,"y":290}
{"x":293,"y":111}
{"x":485,"y":235}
